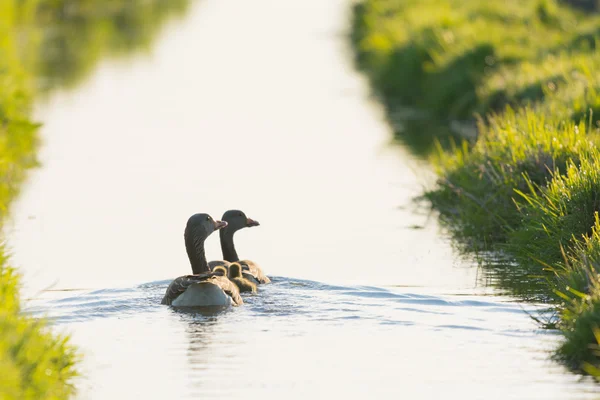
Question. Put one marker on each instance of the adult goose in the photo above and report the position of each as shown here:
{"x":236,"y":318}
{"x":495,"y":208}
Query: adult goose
{"x":237,"y":220}
{"x":204,"y":288}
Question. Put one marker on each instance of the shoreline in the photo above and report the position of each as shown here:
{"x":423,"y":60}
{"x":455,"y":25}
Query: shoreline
{"x":526,"y":184}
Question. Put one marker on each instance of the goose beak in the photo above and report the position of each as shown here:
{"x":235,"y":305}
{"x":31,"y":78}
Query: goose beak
{"x":251,"y":222}
{"x":220,"y":224}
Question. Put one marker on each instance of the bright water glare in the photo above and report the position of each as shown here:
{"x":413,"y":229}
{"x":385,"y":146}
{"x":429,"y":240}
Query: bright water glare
{"x":255,"y":105}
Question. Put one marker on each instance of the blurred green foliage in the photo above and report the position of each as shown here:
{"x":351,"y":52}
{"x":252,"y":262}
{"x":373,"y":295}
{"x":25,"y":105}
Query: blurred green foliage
{"x":45,"y":44}
{"x":34,"y":364}
{"x":455,"y":58}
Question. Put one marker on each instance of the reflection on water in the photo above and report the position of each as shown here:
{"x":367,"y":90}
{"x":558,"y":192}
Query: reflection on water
{"x":502,"y":272}
{"x":302,"y":338}
{"x":423,"y":133}
{"x":254,"y":105}
{"x":76,"y":36}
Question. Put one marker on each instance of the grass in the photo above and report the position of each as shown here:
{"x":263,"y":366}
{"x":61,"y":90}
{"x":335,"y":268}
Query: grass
{"x":578,"y":286}
{"x":453,"y":59}
{"x":557,"y":217}
{"x":527,"y":185}
{"x":34,"y":364}
{"x":516,"y":151}
{"x":560,"y":234}
{"x":437,"y":53}
{"x":45,"y":44}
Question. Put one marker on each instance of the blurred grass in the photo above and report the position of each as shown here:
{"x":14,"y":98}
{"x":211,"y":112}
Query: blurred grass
{"x":527,"y":184}
{"x":48,"y":44}
{"x":454,"y":58}
{"x":34,"y":364}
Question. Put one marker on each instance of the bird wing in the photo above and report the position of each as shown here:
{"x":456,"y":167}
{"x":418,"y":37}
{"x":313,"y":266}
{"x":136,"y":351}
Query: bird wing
{"x":229,"y":288}
{"x":180,"y":285}
{"x":252,"y":268}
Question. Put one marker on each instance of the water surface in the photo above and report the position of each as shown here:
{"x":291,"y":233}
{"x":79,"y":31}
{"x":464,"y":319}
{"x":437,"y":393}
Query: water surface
{"x":255,"y":105}
{"x":301,"y":338}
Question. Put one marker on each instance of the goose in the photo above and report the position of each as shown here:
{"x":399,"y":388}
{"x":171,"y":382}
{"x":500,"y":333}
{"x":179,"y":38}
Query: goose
{"x":237,"y":220}
{"x":203,"y":288}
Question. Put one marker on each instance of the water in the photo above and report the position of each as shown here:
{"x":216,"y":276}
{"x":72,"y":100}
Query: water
{"x":301,"y":338}
{"x":255,"y":105}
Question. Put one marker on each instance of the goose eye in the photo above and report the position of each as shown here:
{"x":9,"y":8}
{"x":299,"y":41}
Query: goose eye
{"x":240,"y":214}
{"x":208,"y":218}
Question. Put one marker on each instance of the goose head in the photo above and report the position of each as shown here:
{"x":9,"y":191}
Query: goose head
{"x":198,"y":228}
{"x":237,"y":220}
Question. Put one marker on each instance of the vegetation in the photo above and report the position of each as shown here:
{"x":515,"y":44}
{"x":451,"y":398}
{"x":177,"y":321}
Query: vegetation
{"x":527,"y":184}
{"x":516,"y":152}
{"x":46,"y":44}
{"x":34,"y":364}
{"x":455,"y":58}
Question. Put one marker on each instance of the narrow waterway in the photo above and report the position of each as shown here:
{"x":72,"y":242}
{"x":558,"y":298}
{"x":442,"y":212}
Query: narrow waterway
{"x":255,"y":105}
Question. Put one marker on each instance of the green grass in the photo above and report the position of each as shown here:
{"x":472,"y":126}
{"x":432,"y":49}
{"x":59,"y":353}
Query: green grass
{"x":47,"y":44}
{"x":559,"y":236}
{"x":528,"y":186}
{"x":555,"y":218}
{"x":515,"y":151}
{"x":578,"y":287}
{"x":453,"y":58}
{"x":34,"y":364}
{"x":437,"y":53}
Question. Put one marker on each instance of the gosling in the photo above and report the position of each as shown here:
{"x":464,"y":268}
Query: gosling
{"x":235,"y":275}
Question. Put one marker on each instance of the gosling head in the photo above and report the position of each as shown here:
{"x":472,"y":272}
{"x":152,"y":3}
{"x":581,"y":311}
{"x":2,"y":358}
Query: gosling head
{"x":235,"y":271}
{"x":237,"y":220}
{"x":220,"y":270}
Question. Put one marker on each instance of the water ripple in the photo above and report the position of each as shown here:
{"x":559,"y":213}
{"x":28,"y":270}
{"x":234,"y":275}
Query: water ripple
{"x":299,"y":300}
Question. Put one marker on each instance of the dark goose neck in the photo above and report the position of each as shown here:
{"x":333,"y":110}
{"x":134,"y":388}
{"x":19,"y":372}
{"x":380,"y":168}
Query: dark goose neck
{"x":227,"y":246}
{"x":195,"y":250}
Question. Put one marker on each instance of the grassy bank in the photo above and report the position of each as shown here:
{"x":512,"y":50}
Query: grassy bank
{"x":34,"y":364}
{"x":47,"y":44}
{"x":525,"y":73}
